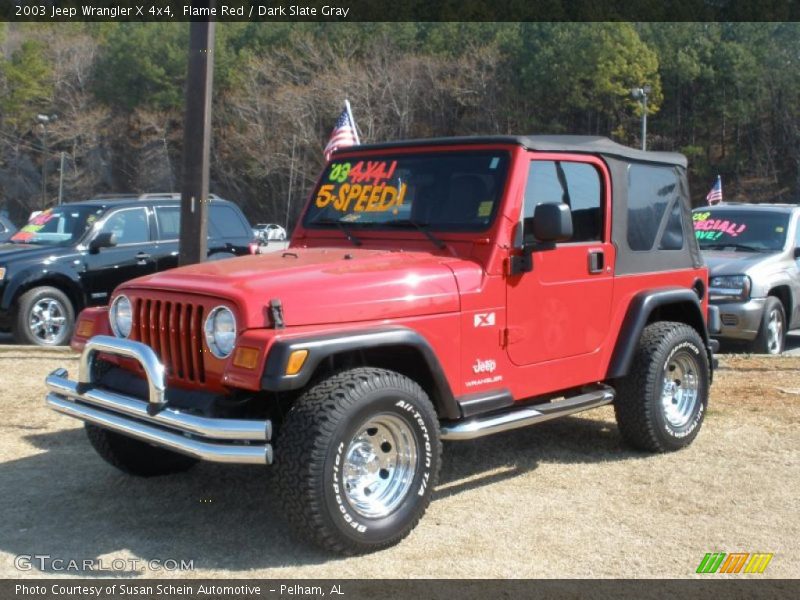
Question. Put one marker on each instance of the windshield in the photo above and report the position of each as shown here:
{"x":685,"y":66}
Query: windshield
{"x":456,"y":191}
{"x":756,"y":231}
{"x":58,"y":226}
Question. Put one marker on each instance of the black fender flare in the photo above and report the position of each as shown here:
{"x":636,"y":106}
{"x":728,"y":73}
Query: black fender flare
{"x":321,"y":347}
{"x":31,"y":277}
{"x":639,"y":311}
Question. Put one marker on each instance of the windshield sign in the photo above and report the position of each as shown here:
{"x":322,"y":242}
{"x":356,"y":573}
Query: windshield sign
{"x":444,"y":192}
{"x":57,"y":226}
{"x":756,"y":231}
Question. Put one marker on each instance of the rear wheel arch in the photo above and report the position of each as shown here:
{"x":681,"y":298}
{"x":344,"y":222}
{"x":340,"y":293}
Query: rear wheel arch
{"x":674,"y":304}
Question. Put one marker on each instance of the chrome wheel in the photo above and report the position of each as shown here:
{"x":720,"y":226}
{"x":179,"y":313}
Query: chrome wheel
{"x":681,"y":383}
{"x":774,"y":331}
{"x":379,"y":465}
{"x":47,"y":319}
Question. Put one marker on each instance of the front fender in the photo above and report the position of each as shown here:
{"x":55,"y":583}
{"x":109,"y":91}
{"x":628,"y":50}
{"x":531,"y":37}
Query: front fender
{"x":33,"y":276}
{"x":323,"y":346}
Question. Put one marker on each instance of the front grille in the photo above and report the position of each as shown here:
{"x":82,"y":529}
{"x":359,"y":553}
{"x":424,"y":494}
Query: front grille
{"x":729,"y":320}
{"x":174,"y":331}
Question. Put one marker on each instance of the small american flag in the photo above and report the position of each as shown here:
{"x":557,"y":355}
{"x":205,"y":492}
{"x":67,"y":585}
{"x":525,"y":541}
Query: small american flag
{"x":715,"y":195}
{"x":344,"y":134}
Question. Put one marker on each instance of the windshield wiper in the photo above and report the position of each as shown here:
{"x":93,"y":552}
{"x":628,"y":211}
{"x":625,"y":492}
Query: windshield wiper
{"x":347,"y":233}
{"x":421,"y":227}
{"x":722,"y":246}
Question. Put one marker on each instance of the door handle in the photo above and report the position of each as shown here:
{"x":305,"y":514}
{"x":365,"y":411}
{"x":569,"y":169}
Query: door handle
{"x":596,"y":261}
{"x":141,"y":256}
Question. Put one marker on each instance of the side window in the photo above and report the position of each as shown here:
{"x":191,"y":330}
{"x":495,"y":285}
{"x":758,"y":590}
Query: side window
{"x":226,"y":222}
{"x":575,"y":184}
{"x":129,"y":226}
{"x":672,"y":238}
{"x":168,"y":219}
{"x":651,"y":190}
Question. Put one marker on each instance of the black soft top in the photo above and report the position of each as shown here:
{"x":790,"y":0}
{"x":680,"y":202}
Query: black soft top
{"x":655,"y":197}
{"x":582,"y":144}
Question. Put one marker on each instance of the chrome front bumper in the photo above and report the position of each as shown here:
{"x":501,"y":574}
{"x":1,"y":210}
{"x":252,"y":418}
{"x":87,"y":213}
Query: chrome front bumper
{"x":241,"y":441}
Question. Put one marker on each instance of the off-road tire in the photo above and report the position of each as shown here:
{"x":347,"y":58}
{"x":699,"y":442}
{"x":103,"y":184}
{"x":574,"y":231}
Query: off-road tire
{"x":764,"y":342}
{"x":25,"y":306}
{"x":311,"y":454}
{"x":639,"y":406}
{"x":134,"y":457}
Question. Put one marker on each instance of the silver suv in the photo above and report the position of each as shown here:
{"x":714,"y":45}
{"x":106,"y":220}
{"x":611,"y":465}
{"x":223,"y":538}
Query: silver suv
{"x":753,"y":255}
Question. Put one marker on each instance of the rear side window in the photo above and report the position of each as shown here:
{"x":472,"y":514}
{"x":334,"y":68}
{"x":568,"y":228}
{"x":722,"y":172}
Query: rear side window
{"x":653,"y":190}
{"x":575,"y":184}
{"x":226,"y":222}
{"x":169,"y":222}
{"x":223,"y":222}
{"x":672,"y":238}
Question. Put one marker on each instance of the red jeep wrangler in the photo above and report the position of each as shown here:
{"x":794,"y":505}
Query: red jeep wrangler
{"x":442,"y":289}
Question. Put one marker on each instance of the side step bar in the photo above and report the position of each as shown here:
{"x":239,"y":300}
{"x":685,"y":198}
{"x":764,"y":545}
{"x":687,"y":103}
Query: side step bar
{"x":526,"y":415}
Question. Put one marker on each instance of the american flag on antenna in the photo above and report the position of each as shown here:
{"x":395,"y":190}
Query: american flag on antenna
{"x":715,"y":195}
{"x":344,"y":132}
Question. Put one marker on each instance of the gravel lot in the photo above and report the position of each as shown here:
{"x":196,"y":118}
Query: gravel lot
{"x":564,"y":499}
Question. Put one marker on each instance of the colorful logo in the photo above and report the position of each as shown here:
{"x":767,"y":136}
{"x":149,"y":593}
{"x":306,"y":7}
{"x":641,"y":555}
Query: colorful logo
{"x":736,"y":562}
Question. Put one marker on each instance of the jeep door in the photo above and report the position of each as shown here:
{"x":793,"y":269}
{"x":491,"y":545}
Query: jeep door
{"x":130,"y":257}
{"x":561,"y":308}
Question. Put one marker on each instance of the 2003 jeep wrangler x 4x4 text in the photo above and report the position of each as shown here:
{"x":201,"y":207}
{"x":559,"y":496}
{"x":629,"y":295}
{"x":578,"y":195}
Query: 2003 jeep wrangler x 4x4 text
{"x":441,"y":289}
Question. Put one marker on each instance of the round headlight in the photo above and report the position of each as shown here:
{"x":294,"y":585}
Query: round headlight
{"x":121,"y":316}
{"x":220,"y":329}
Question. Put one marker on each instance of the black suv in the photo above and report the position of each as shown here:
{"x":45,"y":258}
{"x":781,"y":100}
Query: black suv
{"x":74,"y":255}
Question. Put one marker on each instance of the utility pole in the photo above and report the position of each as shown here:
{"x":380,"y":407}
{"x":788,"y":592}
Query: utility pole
{"x":197,"y":141}
{"x":291,"y":181}
{"x":61,"y":180}
{"x":44,"y":120}
{"x":641,"y":94}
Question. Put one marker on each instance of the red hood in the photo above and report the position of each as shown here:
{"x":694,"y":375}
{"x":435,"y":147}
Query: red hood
{"x":320,"y":285}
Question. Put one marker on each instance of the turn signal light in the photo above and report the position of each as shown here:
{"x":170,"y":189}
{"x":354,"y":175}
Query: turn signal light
{"x":85,"y":328}
{"x":246,"y":358}
{"x":296,"y":361}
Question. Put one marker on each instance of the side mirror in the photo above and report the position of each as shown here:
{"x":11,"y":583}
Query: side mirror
{"x":551,"y":223}
{"x":105,"y":239}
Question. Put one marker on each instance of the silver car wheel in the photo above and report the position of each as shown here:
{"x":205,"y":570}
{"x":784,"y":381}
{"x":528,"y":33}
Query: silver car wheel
{"x":774,"y":331}
{"x":681,"y":384}
{"x":47,"y":320}
{"x":379,"y":466}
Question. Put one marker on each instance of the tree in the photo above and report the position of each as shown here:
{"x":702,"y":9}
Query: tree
{"x":29,"y":85}
{"x":143,"y":65}
{"x":577,"y":77}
